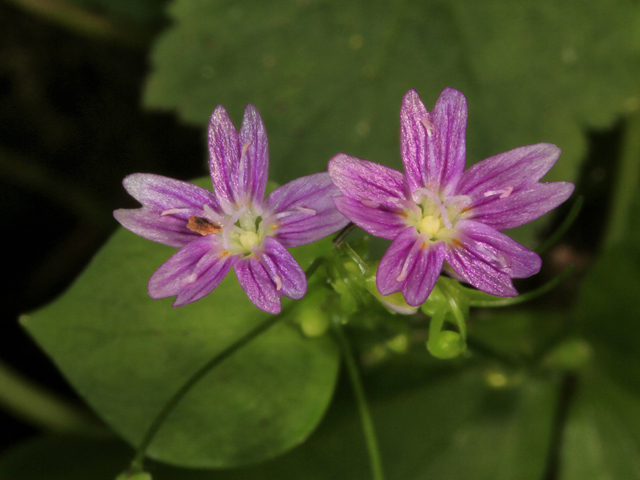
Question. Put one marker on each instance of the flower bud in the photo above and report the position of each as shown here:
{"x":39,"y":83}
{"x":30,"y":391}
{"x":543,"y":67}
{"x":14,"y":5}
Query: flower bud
{"x":448,"y":344}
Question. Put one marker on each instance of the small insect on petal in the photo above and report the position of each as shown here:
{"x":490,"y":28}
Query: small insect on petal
{"x":202,"y":226}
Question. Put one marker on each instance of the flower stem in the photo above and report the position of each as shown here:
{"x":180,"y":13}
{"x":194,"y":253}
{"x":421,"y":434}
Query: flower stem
{"x":137,"y":463}
{"x":564,"y":226}
{"x":524,"y":297}
{"x":368,"y":429}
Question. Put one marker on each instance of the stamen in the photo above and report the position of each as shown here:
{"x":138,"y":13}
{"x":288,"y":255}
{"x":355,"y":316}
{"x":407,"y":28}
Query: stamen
{"x":507,"y":192}
{"x":436,"y":199}
{"x":243,"y":161}
{"x":245,"y":147}
{"x":212,"y":215}
{"x":504,"y":192}
{"x":173,"y":211}
{"x":493,"y":257}
{"x":427,"y":125}
{"x":268,"y":265}
{"x":417,"y":245}
{"x":234,"y":218}
{"x":308,"y":211}
{"x":370,"y":203}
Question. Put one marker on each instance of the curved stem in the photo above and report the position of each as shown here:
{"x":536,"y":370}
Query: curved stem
{"x":137,"y":463}
{"x":525,"y":297}
{"x":44,"y":409}
{"x":564,"y":226}
{"x":368,"y":429}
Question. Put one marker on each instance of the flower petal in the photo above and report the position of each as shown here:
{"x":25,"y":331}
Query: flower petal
{"x":224,"y":158}
{"x":376,"y":221}
{"x":305,"y":210}
{"x":368,"y":181}
{"x":167,"y":229}
{"x":160,"y":194}
{"x":515,"y":169}
{"x":433,"y":145}
{"x":414,"y":141}
{"x":192,"y":272}
{"x":522,"y":206}
{"x":498,"y":249}
{"x":257,"y":284}
{"x":283,"y":269}
{"x":254,"y":164}
{"x":411,"y":265}
{"x":488,"y":259}
{"x":450,"y":124}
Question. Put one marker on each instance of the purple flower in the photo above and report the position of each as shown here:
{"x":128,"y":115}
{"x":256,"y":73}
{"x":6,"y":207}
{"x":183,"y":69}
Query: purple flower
{"x":440,"y":213}
{"x":234,"y":225}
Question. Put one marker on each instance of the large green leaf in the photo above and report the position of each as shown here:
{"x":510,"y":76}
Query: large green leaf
{"x":329,"y":75}
{"x":126,"y":354}
{"x":602,"y":434}
{"x":452,"y":427}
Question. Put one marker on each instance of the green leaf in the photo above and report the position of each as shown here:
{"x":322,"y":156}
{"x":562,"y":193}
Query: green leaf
{"x":451,"y":427}
{"x":328,"y":76}
{"x":126,"y":354}
{"x":608,"y":310}
{"x":602,"y":434}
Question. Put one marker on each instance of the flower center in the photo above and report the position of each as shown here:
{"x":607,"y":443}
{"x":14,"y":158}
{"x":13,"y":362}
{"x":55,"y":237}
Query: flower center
{"x":434,"y":217}
{"x":430,"y":224}
{"x":247,"y":240}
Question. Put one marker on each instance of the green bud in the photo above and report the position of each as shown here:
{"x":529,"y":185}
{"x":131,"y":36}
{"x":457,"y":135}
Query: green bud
{"x":448,"y":344}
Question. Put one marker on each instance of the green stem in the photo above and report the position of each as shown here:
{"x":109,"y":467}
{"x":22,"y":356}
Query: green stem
{"x":152,"y":431}
{"x":42,"y":408}
{"x":564,"y":226}
{"x":525,"y":297}
{"x":137,"y":463}
{"x":368,"y":429}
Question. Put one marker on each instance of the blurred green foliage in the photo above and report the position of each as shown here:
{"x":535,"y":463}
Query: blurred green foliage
{"x":328,"y":76}
{"x":545,"y":385}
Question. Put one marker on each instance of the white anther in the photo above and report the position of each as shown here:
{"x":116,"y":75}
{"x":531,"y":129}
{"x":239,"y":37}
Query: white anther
{"x":308,"y":211}
{"x":370,"y":203}
{"x":427,"y":125}
{"x":504,"y":192}
{"x":172,"y":211}
{"x":278,"y":281}
{"x":245,"y":147}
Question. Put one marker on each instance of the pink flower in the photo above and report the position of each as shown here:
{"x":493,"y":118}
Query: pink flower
{"x":438,"y":212}
{"x":234,"y":225}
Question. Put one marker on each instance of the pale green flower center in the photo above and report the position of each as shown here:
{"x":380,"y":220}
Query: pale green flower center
{"x":436,"y":218}
{"x":430,"y":225}
{"x":247,"y":240}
